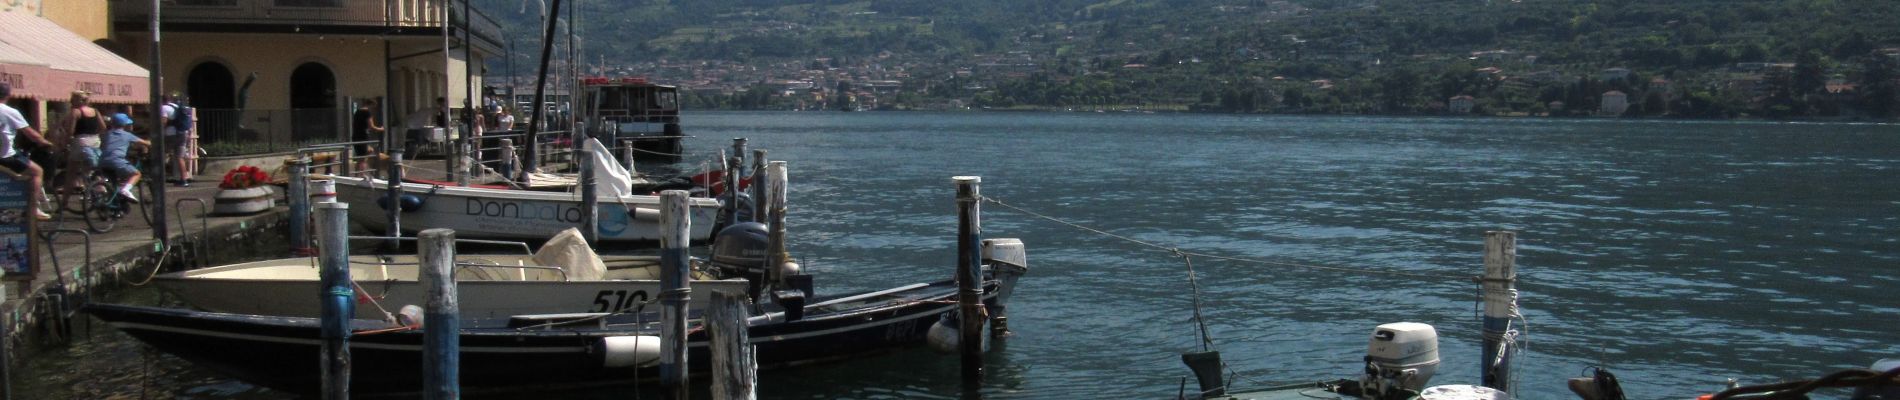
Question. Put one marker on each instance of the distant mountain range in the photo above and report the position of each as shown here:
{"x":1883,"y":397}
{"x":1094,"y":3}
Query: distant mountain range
{"x":1182,"y":51}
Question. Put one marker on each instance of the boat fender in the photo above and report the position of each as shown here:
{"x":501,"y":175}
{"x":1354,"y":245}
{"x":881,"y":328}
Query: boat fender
{"x":643,"y":214}
{"x":411,"y":315}
{"x":629,"y":351}
{"x":945,"y":338}
{"x":789,"y":269}
{"x":409,"y":202}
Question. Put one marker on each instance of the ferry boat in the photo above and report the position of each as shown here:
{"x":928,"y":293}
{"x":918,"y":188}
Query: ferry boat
{"x":634,"y":110}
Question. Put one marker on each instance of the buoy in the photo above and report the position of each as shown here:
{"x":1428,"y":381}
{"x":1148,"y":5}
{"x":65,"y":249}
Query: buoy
{"x":644,"y":214}
{"x":629,"y":351}
{"x":409,"y":202}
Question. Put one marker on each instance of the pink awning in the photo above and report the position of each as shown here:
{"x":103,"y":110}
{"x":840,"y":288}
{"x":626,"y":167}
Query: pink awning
{"x":45,"y":61}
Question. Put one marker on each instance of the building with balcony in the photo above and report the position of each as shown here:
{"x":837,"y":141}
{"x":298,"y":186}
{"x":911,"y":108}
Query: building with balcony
{"x":271,"y":75}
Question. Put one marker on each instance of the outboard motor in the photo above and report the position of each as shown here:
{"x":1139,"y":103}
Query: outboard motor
{"x":739,"y":250}
{"x":1004,"y":261}
{"x":1400,"y":359}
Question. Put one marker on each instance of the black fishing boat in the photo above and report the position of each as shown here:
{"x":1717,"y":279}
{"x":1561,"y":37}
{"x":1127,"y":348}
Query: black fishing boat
{"x":789,"y":325}
{"x":523,"y":352}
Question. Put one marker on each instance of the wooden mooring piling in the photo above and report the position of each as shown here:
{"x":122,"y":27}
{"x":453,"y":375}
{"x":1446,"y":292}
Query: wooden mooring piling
{"x":338,"y":297}
{"x":441,"y":326}
{"x":393,"y":205}
{"x":970,"y":279}
{"x":675,"y":223}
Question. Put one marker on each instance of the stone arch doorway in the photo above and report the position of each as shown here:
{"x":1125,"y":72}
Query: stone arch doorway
{"x":209,"y":87}
{"x":313,"y":102}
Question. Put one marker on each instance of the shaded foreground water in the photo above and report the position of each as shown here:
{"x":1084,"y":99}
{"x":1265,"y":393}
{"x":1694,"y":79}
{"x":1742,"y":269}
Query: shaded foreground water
{"x":1678,"y":254}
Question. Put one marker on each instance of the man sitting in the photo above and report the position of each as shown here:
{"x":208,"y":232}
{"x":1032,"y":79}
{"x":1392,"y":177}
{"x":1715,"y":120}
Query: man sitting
{"x":113,"y":148}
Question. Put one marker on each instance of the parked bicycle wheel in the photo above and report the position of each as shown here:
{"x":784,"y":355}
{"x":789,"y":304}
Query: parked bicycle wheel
{"x":105,"y":207}
{"x":147,"y":200}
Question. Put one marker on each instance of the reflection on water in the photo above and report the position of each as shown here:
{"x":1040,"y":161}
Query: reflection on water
{"x":1679,"y":254}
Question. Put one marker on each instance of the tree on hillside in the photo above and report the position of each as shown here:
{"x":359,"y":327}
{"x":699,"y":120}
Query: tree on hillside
{"x":1810,"y":74}
{"x":1878,"y":92}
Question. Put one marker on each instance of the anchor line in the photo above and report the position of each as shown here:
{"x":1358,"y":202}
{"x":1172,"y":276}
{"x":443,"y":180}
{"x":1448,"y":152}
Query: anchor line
{"x":1440,"y":278}
{"x":1207,"y":342}
{"x":681,"y":155}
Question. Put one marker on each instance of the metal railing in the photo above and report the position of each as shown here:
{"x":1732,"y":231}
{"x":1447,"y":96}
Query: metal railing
{"x":250,"y":132}
{"x":341,"y":156}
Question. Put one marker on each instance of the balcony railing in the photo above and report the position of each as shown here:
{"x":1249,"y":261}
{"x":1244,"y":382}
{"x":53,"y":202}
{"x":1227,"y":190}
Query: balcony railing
{"x":398,"y":13}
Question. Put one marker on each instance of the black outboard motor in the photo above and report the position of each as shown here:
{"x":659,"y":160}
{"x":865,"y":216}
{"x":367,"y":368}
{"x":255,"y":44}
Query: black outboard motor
{"x":740,"y":250}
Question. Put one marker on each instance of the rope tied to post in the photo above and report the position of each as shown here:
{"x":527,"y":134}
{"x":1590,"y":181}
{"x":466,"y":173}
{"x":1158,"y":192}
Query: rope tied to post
{"x":1178,"y":252}
{"x":1193,"y":278}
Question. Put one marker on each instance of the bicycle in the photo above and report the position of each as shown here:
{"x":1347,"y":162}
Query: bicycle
{"x":104,"y":207}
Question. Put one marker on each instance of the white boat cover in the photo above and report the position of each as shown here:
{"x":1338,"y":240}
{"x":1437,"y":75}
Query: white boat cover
{"x":569,"y":251}
{"x":612,"y":178}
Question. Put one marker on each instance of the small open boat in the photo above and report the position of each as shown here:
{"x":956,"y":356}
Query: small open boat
{"x":565,"y":276}
{"x":1402,"y":357}
{"x":528,"y":351}
{"x":554,"y":350}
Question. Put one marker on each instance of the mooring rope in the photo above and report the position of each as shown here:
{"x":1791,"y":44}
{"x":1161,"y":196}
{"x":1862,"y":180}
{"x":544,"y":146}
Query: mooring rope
{"x":1207,"y":342}
{"x":1183,"y":253}
{"x":681,"y":155}
{"x":157,"y":265}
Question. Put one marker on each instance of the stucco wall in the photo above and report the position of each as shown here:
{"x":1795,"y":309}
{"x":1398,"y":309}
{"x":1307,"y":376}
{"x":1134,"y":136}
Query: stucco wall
{"x":357,"y":62}
{"x":88,"y":18}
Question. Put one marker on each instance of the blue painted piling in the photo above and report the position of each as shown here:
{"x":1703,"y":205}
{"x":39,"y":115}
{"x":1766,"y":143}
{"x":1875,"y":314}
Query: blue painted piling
{"x":337,"y":297}
{"x":969,"y":282}
{"x":675,"y":222}
{"x":441,"y":340}
{"x":1500,"y":303}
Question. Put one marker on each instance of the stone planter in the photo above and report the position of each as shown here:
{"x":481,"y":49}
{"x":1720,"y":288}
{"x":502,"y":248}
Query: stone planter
{"x":243,"y":201}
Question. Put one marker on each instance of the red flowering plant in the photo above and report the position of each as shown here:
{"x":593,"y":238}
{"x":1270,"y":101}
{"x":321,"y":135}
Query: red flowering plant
{"x":244,"y":177}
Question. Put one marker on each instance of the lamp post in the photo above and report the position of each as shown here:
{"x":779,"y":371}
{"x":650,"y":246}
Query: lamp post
{"x":159,"y":231}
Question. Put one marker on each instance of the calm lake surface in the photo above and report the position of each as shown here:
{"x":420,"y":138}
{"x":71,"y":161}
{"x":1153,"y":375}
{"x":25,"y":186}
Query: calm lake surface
{"x":1677,"y":254}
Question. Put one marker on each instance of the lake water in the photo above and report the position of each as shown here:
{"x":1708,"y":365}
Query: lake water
{"x":1677,"y":254}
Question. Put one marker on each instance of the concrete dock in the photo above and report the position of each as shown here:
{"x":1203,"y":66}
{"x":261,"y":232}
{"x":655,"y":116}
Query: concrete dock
{"x":129,"y":252}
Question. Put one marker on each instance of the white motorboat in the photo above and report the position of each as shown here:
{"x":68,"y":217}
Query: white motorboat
{"x":486,"y":213}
